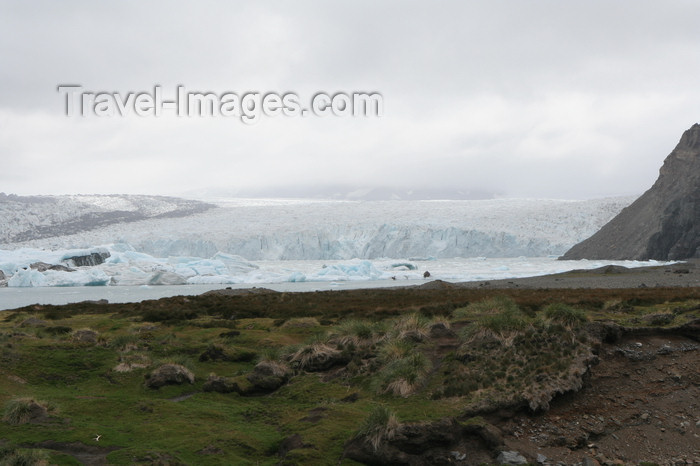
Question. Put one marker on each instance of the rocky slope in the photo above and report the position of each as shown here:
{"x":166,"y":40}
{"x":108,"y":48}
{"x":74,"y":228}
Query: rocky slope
{"x":664,"y":223}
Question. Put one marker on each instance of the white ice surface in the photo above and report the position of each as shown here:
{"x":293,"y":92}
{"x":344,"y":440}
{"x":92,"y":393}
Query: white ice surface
{"x":340,"y":230}
{"x":283,"y":241}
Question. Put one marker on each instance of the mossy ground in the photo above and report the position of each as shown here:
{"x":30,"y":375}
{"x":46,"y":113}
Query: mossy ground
{"x":41,"y":358}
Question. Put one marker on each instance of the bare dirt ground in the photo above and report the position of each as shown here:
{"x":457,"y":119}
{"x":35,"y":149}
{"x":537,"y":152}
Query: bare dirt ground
{"x":640,"y":404}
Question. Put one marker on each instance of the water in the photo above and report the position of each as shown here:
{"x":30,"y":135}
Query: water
{"x":454,"y":270}
{"x":11,"y":298}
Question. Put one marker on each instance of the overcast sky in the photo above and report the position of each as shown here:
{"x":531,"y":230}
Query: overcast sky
{"x":560,"y":99}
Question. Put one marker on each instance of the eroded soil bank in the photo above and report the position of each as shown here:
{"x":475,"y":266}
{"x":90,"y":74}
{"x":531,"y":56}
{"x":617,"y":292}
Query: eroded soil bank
{"x":641,"y":402}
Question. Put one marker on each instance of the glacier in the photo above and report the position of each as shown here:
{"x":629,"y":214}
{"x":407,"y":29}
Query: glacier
{"x":340,"y":230}
{"x":24,"y":218}
{"x":305,"y":241}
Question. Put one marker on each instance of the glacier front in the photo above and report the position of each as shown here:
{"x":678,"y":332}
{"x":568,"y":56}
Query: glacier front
{"x":340,"y":230}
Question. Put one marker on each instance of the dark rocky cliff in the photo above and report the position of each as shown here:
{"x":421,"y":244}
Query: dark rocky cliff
{"x":664,"y":223}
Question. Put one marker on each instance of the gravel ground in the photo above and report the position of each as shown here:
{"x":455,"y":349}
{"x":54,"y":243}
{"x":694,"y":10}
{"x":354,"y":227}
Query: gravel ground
{"x":685,"y":274}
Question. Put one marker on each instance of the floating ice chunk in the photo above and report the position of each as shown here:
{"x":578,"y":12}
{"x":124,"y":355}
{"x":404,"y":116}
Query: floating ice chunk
{"x":235,"y":264}
{"x":134,"y":256}
{"x":86,"y":277}
{"x":166,"y":278}
{"x":127,"y":276}
{"x":212,"y":280}
{"x":403,"y":266}
{"x":83,"y":277}
{"x":191,"y":266}
{"x":297,"y":277}
{"x":121,"y":247}
{"x":26,"y":278}
{"x":360,"y":270}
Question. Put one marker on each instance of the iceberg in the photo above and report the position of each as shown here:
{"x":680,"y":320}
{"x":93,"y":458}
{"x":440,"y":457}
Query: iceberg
{"x":235,"y":264}
{"x":297,"y":277}
{"x":31,"y":277}
{"x":357,"y":270}
{"x":127,"y":267}
{"x":166,"y":278}
{"x":27,"y":277}
{"x":212,"y":280}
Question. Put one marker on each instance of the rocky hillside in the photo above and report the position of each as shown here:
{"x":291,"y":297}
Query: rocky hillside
{"x":26,"y":218}
{"x":664,"y":223}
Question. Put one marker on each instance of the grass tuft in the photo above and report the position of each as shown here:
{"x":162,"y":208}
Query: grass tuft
{"x":394,"y":350}
{"x":504,"y":327}
{"x":314,"y":356}
{"x":380,"y":425}
{"x":404,"y":376}
{"x":23,"y":457}
{"x":495,"y":305}
{"x":357,"y":333}
{"x":21,"y":410}
{"x":412,"y":327}
{"x":565,"y":315}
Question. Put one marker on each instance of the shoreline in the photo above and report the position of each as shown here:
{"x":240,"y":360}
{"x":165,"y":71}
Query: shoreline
{"x":681,"y":274}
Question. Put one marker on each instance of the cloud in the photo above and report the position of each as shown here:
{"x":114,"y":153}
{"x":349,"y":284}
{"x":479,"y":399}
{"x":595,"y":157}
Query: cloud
{"x":540,"y":98}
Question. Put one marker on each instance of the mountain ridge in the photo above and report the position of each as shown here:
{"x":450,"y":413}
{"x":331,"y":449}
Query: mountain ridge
{"x":663,"y":223}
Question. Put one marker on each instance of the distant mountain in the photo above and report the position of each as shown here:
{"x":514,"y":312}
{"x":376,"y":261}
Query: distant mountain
{"x":664,"y":223}
{"x":26,"y":218}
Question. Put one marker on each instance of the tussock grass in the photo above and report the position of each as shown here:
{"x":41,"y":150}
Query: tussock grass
{"x":380,"y":425}
{"x":57,"y":330}
{"x":495,"y":305}
{"x":394,"y":350}
{"x":301,"y":322}
{"x":21,"y":410}
{"x":358,"y":333}
{"x":404,"y":376}
{"x":179,"y":360}
{"x":129,"y":362}
{"x":506,"y":324}
{"x":313,"y":355}
{"x":273,"y":368}
{"x":269,"y":354}
{"x":565,"y":315}
{"x":441,"y":320}
{"x":414,"y":326}
{"x":23,"y":457}
{"x":120,"y":342}
{"x":85,"y":335}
